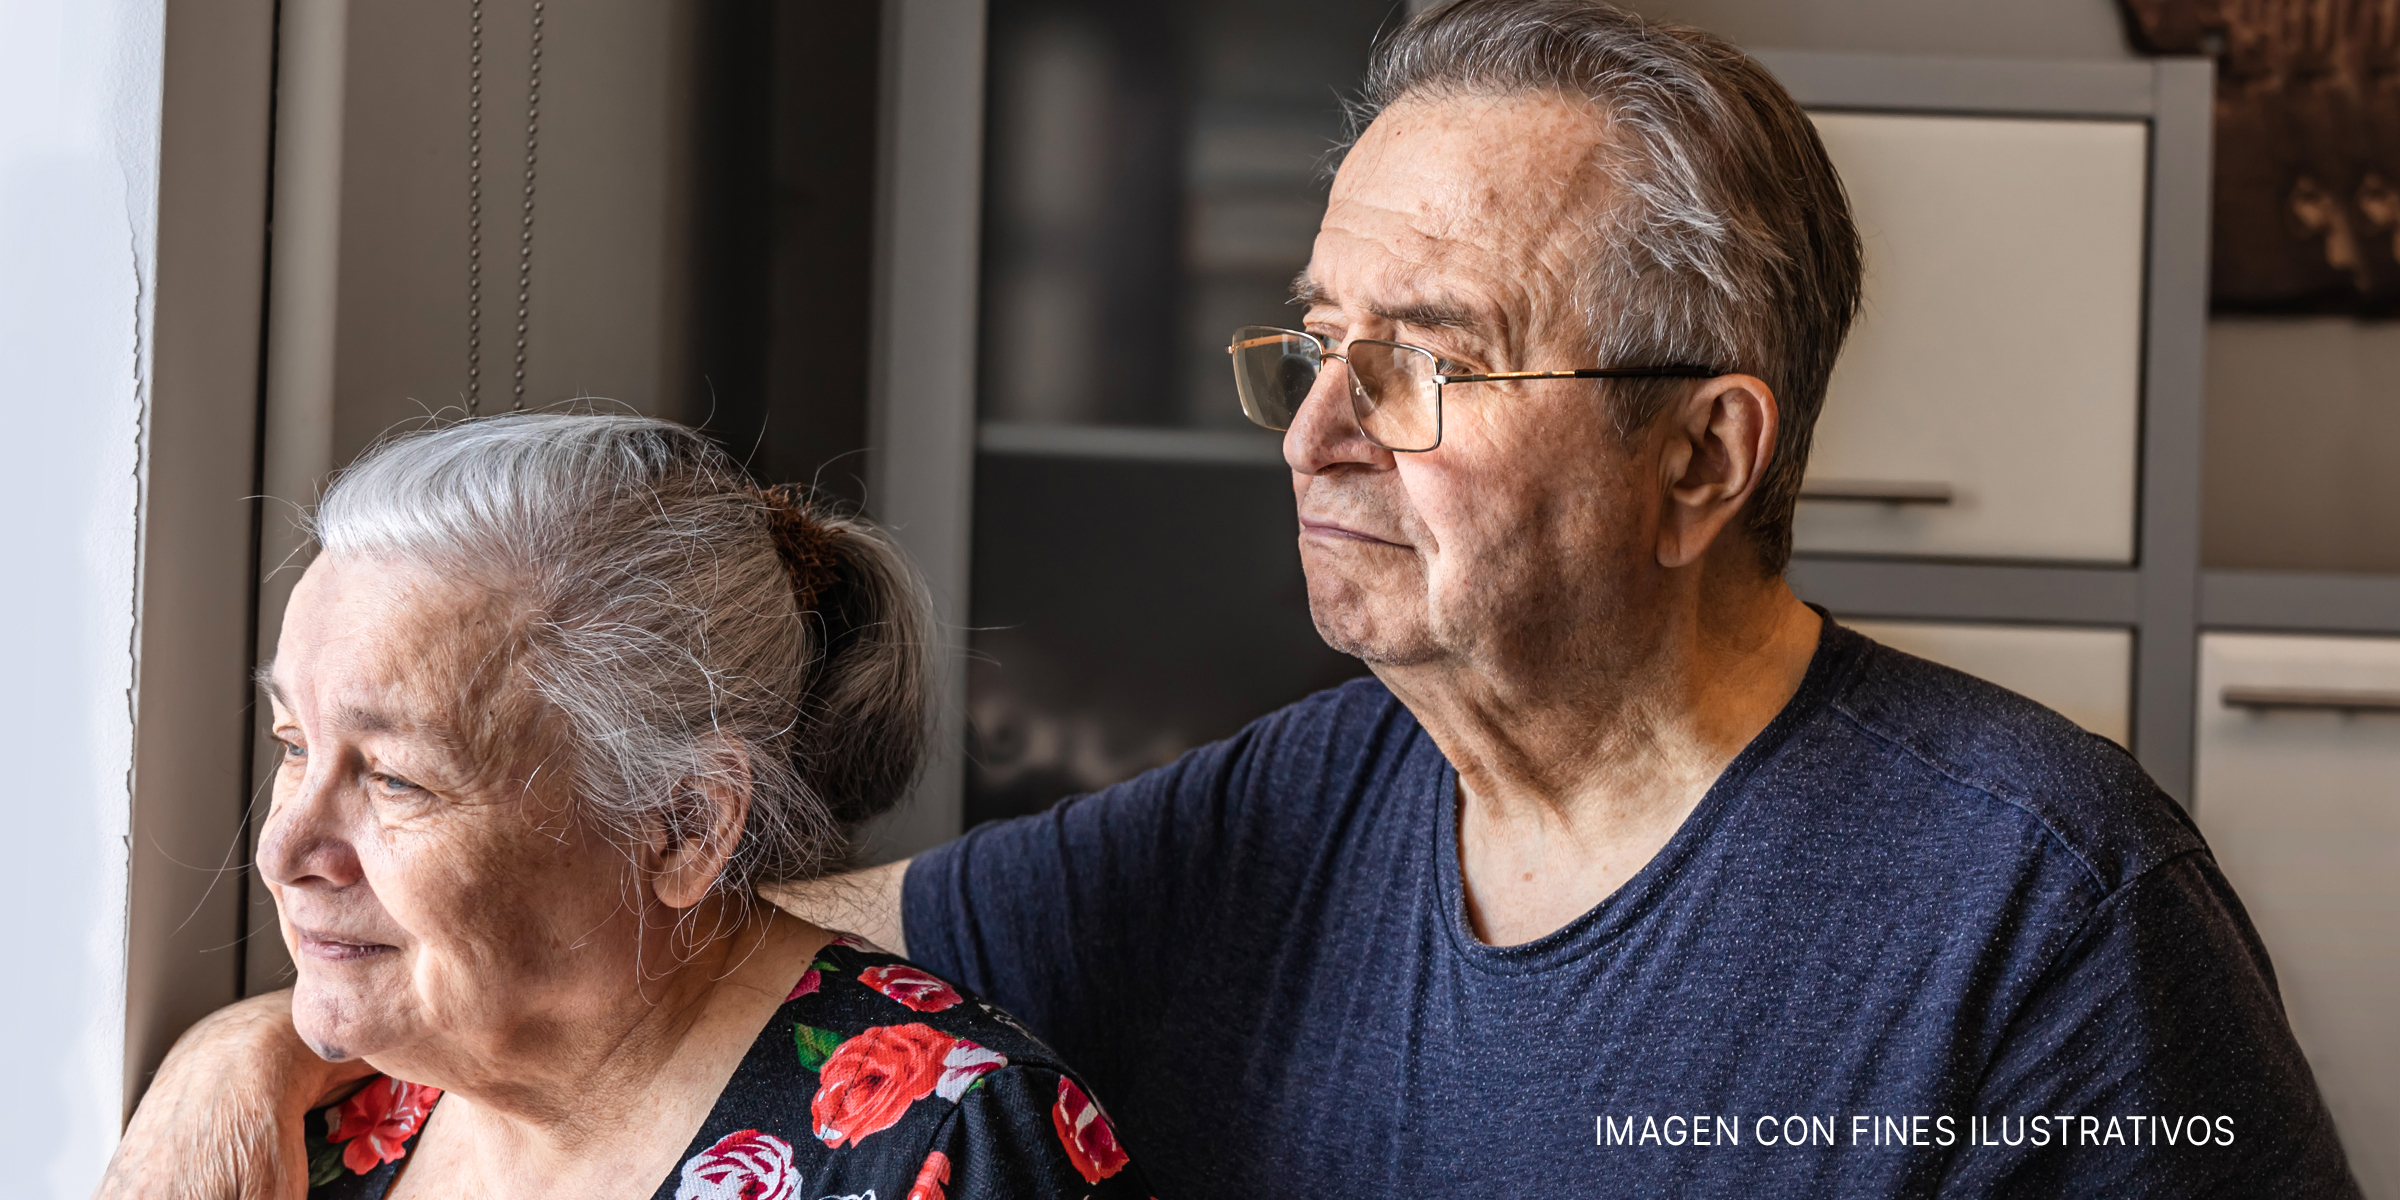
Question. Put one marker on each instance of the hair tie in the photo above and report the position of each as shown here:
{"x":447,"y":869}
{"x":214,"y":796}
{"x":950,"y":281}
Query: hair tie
{"x":805,"y":544}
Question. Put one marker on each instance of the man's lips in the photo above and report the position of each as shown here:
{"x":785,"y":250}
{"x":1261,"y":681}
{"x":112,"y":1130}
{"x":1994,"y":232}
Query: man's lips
{"x":1331,"y":530}
{"x":331,"y":947}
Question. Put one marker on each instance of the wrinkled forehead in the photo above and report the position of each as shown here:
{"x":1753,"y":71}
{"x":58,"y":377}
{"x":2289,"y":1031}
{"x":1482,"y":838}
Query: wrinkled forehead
{"x":384,"y":646}
{"x":1471,"y":194}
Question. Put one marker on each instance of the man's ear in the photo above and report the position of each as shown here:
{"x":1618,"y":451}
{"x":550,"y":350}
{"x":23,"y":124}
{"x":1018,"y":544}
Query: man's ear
{"x":1720,"y":439}
{"x":685,"y":852}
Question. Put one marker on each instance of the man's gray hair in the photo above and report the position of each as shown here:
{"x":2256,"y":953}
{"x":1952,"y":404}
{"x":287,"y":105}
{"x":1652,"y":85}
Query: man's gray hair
{"x":1727,"y":241}
{"x":657,"y":616}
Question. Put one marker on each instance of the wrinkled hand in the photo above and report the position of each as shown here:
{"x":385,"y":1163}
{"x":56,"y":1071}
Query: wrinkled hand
{"x":222,"y":1121}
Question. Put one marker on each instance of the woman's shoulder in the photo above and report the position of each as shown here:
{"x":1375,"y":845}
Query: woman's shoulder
{"x":875,"y":1074}
{"x":854,"y":983}
{"x":878,"y":1073}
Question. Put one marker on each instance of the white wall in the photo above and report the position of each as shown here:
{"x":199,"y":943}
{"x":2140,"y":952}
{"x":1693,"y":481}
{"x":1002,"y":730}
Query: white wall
{"x":78,"y":181}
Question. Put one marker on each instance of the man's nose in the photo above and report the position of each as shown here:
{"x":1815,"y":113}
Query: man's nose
{"x":1325,"y":432}
{"x":302,"y":843}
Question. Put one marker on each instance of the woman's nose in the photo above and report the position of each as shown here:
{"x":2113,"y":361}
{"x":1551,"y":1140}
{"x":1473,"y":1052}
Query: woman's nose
{"x":302,"y":843}
{"x":1325,"y":432}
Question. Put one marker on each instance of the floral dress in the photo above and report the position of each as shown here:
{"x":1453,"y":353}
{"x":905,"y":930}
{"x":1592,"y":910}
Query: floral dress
{"x":876,"y":1079}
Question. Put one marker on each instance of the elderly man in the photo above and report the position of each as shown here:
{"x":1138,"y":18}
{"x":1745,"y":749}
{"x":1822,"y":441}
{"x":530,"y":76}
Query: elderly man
{"x":1628,"y":872}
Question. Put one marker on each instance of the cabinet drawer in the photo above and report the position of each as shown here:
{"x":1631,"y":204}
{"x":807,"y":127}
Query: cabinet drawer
{"x":2298,"y":791}
{"x":2084,"y":674}
{"x":1992,"y":385}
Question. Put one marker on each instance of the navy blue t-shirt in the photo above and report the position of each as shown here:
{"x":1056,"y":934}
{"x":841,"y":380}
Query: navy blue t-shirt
{"x":1918,"y":918}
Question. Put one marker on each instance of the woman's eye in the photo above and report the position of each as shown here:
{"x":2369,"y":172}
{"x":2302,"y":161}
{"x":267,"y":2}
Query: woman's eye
{"x":393,"y":785}
{"x":294,"y":752}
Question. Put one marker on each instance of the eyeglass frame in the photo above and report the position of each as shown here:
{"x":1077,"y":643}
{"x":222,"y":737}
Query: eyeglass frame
{"x":1442,"y":378}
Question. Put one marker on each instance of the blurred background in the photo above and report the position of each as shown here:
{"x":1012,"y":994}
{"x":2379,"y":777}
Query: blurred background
{"x":971,"y":265}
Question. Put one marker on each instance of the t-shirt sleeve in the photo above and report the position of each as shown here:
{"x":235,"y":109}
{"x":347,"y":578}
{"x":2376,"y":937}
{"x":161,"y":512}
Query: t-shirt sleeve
{"x":1026,"y":1132}
{"x":1073,"y":913}
{"x":2157,"y":1052}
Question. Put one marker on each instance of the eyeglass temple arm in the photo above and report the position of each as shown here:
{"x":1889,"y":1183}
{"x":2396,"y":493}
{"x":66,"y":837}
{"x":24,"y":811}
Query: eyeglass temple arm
{"x":1585,"y":373}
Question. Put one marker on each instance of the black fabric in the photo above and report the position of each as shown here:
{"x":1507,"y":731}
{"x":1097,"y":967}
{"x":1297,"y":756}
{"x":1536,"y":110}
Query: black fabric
{"x":875,"y":1078}
{"x":1915,"y":898}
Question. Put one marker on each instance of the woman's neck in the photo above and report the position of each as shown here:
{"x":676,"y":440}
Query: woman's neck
{"x":603,"y":1096}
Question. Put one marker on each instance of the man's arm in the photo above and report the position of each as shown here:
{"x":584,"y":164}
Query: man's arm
{"x":222,"y":1119}
{"x":866,"y":903}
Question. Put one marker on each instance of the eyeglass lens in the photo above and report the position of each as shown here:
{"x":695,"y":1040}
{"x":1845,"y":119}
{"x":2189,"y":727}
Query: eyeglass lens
{"x":1273,"y":370}
{"x":1392,"y":391}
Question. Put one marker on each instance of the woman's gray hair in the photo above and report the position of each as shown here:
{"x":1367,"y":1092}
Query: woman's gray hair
{"x":1727,"y":241}
{"x":659,"y":617}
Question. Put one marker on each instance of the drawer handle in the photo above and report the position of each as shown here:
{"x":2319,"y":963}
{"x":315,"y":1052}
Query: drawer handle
{"x":2312,"y":699}
{"x":1876,"y":491}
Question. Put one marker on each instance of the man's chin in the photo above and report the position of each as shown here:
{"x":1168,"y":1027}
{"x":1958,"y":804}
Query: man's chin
{"x":1379,"y":620}
{"x":1373,"y":643}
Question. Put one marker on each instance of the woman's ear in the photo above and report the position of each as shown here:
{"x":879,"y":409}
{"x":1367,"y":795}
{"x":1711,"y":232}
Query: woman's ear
{"x":1720,"y":440}
{"x":687,"y":850}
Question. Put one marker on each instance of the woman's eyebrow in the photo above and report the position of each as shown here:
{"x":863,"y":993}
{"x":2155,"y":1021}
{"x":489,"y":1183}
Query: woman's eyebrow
{"x":363,"y":719}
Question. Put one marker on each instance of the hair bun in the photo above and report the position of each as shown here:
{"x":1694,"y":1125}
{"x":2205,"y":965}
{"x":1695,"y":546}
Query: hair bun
{"x":804,"y":543}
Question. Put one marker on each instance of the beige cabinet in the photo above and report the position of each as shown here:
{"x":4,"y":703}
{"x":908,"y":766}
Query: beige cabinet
{"x":1988,"y":404}
{"x":2298,"y":792}
{"x":2084,"y":674}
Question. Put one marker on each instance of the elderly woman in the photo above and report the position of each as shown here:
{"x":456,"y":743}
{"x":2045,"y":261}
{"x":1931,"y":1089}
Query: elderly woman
{"x":560,"y":693}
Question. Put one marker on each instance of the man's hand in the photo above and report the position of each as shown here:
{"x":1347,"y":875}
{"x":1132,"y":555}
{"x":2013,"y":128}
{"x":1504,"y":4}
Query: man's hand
{"x":222,"y":1120}
{"x":866,"y":903}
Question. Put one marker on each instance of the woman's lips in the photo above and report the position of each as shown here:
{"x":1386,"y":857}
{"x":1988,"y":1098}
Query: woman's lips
{"x":330,"y":948}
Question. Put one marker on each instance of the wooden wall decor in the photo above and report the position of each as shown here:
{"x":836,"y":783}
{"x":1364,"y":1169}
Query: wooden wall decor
{"x":2307,"y":192}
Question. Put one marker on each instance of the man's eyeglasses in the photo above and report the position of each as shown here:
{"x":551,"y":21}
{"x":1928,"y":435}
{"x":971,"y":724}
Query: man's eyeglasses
{"x":1395,"y":389}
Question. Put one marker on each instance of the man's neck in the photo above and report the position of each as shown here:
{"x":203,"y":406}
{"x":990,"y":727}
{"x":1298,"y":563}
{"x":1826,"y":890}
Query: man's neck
{"x":1576,"y":769}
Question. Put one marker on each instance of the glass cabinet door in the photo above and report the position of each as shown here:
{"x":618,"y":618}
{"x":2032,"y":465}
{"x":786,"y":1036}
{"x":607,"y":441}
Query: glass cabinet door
{"x":1154,"y":177}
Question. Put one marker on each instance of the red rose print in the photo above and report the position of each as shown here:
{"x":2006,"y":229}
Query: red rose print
{"x":1084,"y":1130}
{"x":746,"y":1165}
{"x":966,"y":1063}
{"x":809,"y":982}
{"x":871,"y":1079}
{"x":910,"y":986}
{"x":378,"y":1121}
{"x":936,"y":1172}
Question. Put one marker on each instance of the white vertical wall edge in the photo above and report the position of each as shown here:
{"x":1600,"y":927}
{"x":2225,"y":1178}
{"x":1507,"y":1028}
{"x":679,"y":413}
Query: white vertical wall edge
{"x":79,"y":157}
{"x":921,"y":425}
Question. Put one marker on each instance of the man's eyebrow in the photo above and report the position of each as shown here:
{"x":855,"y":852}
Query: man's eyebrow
{"x":1438,"y":313}
{"x":1430,"y":314}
